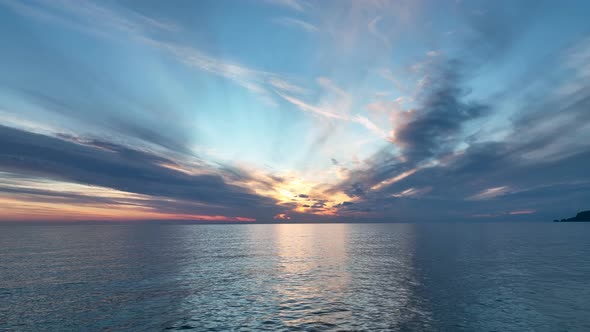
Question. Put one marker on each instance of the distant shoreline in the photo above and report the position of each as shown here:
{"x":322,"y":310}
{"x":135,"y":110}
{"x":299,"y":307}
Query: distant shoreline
{"x":583,"y":216}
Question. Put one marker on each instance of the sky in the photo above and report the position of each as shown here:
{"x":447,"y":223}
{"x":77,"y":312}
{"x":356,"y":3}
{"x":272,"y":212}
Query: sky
{"x":294,"y":110}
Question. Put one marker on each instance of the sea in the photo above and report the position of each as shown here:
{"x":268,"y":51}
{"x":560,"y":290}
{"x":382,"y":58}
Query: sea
{"x":296,"y":277}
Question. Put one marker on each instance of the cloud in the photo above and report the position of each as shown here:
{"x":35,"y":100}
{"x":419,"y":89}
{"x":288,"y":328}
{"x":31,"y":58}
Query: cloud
{"x":550,"y":188}
{"x":97,"y":19}
{"x":388,"y":75}
{"x":282,"y":216}
{"x":369,"y":125}
{"x":296,"y":5}
{"x":433,"y":53}
{"x":436,"y":126}
{"x":296,"y":23}
{"x":90,"y":17}
{"x":318,"y":205}
{"x":543,"y":152}
{"x":491,"y":193}
{"x":302,"y":105}
{"x":518,"y":212}
{"x":258,"y":82}
{"x":374,"y":29}
{"x":394,"y":179}
{"x":421,"y":136}
{"x":26,"y":197}
{"x":413,"y":192}
{"x":123,"y":169}
{"x":335,"y":104}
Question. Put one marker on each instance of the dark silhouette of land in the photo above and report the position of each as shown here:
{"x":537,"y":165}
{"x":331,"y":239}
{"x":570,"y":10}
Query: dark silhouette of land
{"x":581,"y":216}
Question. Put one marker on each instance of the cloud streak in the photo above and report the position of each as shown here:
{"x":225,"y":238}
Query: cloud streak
{"x":296,"y":23}
{"x":296,"y":5}
{"x":120,"y":168}
{"x":94,"y":18}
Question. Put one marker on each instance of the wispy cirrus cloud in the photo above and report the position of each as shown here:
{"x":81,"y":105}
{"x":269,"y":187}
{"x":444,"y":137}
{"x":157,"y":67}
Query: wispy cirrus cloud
{"x":296,"y":23}
{"x":266,"y":85}
{"x":89,"y":17}
{"x":413,"y":192}
{"x":334,"y":104}
{"x":98,"y":19}
{"x":491,"y":193}
{"x":296,"y":5}
{"x":519,"y":212}
{"x":302,"y":105}
{"x":258,"y":82}
{"x":370,"y":125}
{"x":373,"y":27}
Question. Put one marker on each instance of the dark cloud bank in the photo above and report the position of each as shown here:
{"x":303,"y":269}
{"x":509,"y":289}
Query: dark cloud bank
{"x":539,"y":170}
{"x":104,"y":164}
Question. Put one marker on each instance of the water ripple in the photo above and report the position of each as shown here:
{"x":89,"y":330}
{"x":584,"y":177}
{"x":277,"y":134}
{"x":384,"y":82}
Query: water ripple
{"x":296,"y":278}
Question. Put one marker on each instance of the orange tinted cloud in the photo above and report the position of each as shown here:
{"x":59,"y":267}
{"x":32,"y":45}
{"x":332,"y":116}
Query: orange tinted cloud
{"x":20,"y":210}
{"x":394,"y":179}
{"x":522,"y":212}
{"x":490,"y":193}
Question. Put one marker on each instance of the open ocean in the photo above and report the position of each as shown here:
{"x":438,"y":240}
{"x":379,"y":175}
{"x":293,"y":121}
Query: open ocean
{"x":296,"y":277}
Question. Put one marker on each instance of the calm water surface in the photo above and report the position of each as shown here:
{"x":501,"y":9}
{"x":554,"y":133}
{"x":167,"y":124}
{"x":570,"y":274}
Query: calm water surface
{"x":337,"y":277}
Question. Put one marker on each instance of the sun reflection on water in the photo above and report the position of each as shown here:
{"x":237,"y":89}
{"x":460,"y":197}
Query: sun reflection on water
{"x":312,"y":269}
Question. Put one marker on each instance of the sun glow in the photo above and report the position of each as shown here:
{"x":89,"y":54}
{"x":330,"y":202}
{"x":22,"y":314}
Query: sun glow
{"x":294,"y":191}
